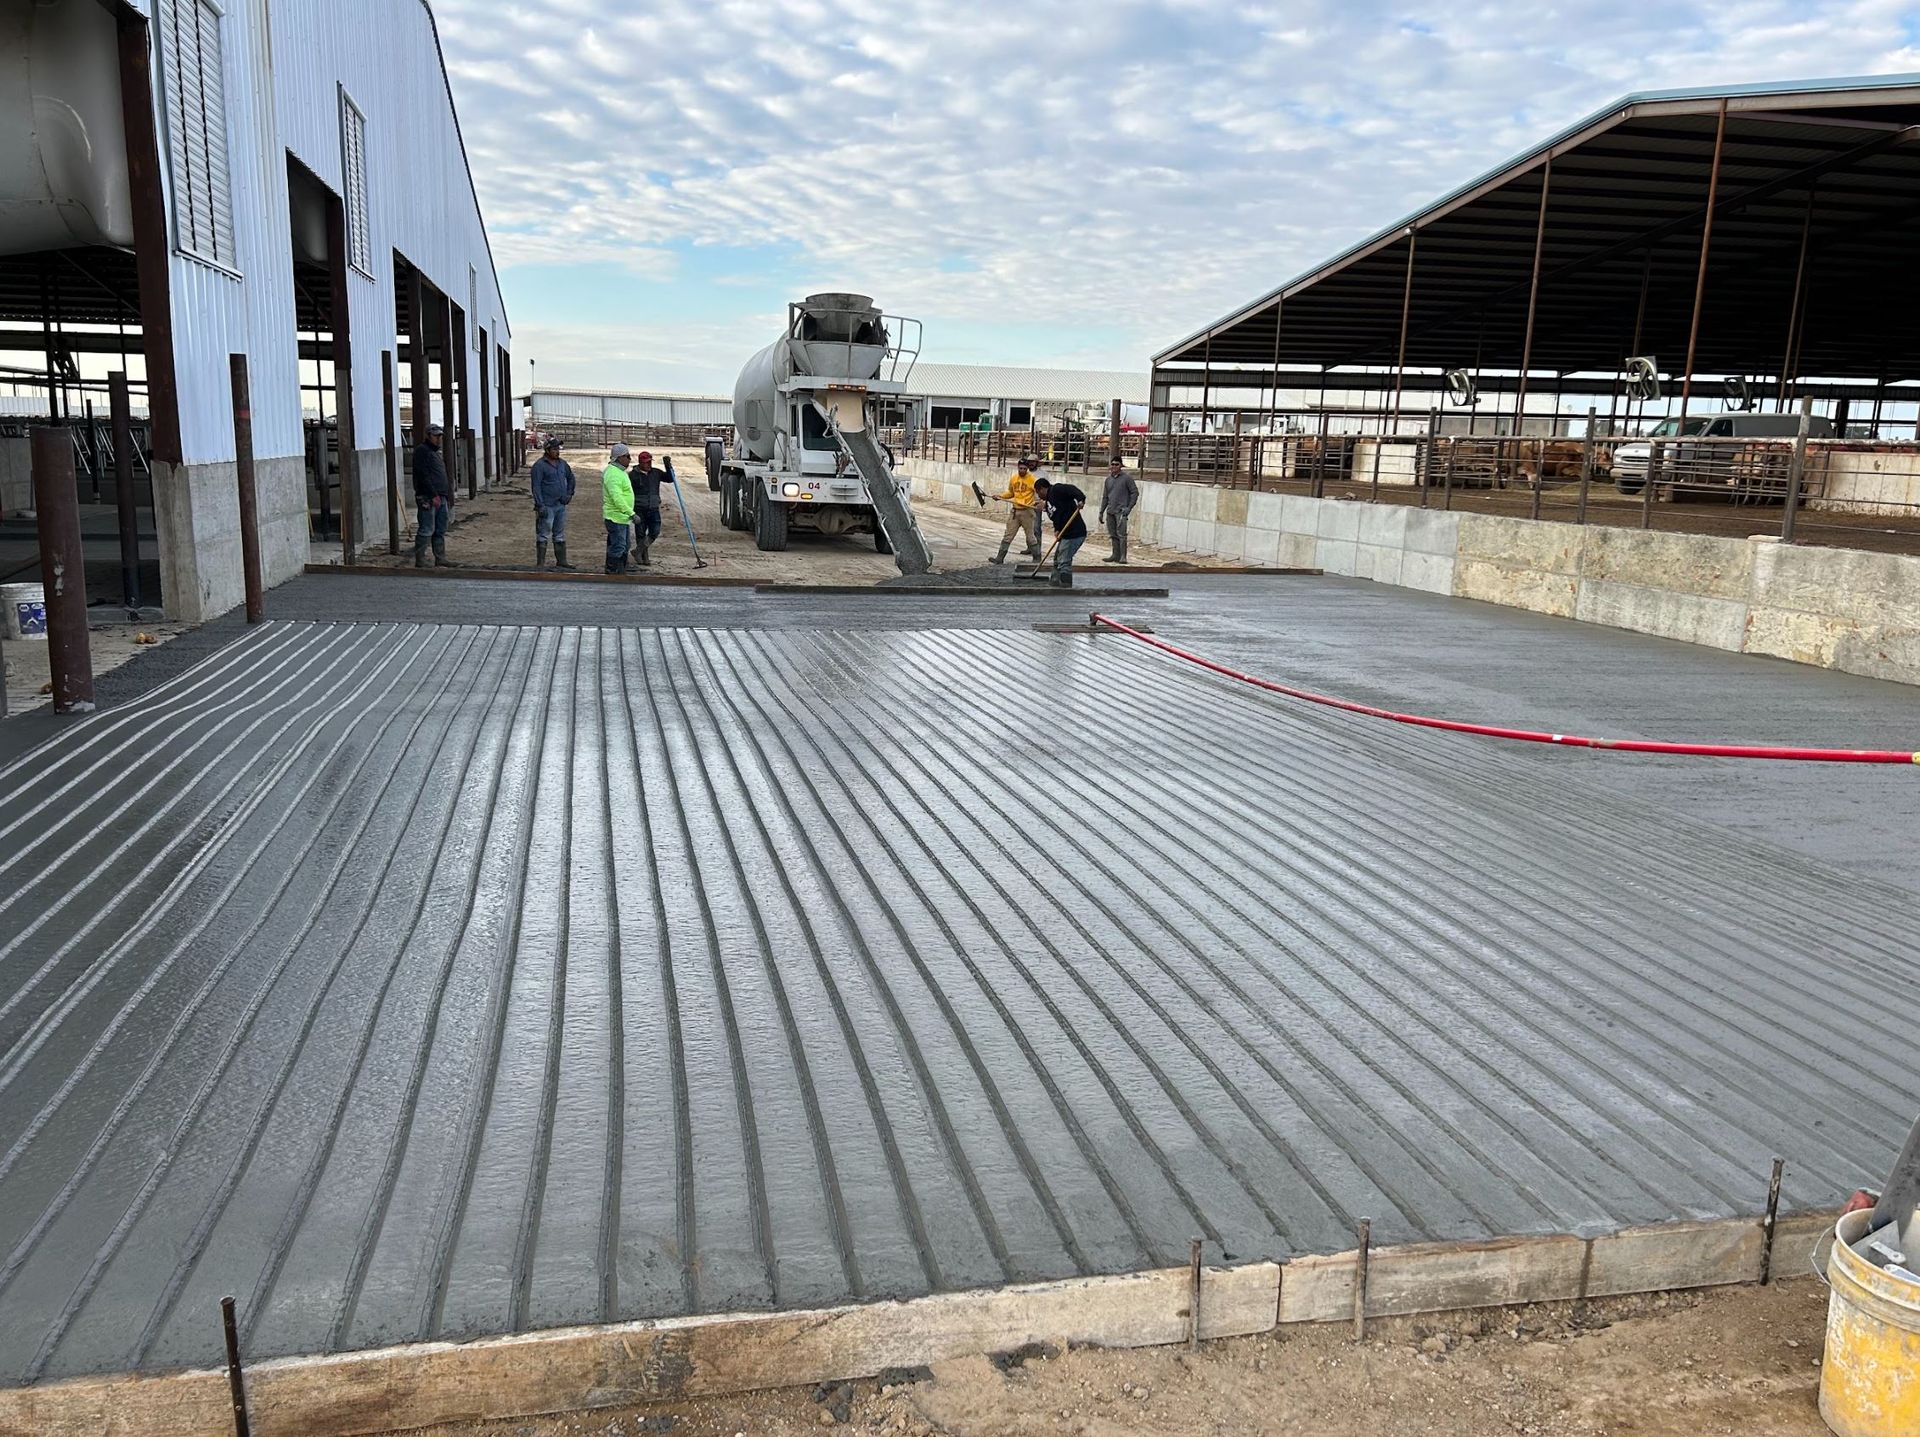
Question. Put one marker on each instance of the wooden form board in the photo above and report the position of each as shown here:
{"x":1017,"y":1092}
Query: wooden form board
{"x":570,"y":1369}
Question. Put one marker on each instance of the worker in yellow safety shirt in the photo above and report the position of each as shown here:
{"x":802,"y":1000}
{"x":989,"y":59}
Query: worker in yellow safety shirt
{"x":1023,"y":517}
{"x":616,"y":507}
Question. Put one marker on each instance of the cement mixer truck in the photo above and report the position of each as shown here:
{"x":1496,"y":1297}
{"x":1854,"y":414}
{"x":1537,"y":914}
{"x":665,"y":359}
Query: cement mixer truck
{"x":803,"y":454}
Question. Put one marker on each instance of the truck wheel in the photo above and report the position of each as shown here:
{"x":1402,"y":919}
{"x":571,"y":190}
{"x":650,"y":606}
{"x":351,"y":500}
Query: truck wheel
{"x":769,"y":525}
{"x":738,"y":518}
{"x":880,"y":544}
{"x":726,"y":502}
{"x":715,"y":452}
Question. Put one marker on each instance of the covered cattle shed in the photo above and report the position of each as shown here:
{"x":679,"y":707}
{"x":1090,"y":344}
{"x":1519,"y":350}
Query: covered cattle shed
{"x":1754,"y":242}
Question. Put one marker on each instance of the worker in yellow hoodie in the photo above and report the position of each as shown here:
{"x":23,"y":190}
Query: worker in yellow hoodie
{"x":1023,"y":515}
{"x":616,"y":507}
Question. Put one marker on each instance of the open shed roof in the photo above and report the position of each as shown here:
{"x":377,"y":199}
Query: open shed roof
{"x":1834,"y":161}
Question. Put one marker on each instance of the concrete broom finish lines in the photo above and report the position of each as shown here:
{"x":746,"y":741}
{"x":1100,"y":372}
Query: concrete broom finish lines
{"x":438,"y":981}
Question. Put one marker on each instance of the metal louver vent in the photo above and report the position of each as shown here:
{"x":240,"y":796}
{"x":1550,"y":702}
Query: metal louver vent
{"x":353,"y":172}
{"x":193,"y":76}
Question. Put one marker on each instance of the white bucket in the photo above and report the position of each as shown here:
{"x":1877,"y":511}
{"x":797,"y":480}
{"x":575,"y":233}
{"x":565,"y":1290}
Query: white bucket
{"x":25,"y":607}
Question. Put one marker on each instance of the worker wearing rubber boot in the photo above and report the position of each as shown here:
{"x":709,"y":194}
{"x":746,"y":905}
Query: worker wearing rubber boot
{"x":553,"y":486}
{"x":1066,"y":505}
{"x":616,"y":507}
{"x":646,"y":506}
{"x":1116,"y":506}
{"x":1023,"y":517}
{"x":433,"y":501}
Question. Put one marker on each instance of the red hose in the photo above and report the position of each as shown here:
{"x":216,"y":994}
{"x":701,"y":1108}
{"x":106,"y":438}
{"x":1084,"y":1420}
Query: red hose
{"x":1566,"y":740}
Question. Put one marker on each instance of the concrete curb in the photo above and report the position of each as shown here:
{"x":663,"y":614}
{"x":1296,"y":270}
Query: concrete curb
{"x":967,"y":591}
{"x":550,"y":576}
{"x":579,"y":1368}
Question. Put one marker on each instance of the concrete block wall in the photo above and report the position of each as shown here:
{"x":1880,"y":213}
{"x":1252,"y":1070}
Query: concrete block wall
{"x":1835,"y":608}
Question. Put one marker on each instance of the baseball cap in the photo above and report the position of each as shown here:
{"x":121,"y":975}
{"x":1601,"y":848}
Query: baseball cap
{"x":620,"y":451}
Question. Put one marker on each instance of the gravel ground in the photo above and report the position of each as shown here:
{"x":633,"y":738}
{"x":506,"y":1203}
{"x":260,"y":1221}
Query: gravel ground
{"x":1732,"y":1362}
{"x":495,"y":530}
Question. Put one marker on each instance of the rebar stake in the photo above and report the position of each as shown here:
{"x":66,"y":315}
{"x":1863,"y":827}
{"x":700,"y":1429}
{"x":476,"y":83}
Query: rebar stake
{"x":1365,"y":1232}
{"x":236,"y":1380}
{"x":1193,"y":1296}
{"x":1770,"y":1221}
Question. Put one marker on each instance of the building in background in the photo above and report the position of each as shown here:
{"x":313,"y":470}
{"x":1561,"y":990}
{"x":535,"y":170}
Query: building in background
{"x":556,"y":406}
{"x":944,"y":396}
{"x":191,"y":180}
{"x":950,"y":395}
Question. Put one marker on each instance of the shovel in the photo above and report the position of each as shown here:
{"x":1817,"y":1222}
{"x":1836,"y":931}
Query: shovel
{"x":692,"y":543}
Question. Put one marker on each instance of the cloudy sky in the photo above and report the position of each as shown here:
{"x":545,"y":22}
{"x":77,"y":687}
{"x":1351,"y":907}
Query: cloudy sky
{"x":1040,"y":183}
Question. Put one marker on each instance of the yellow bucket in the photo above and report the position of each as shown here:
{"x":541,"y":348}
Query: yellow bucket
{"x":1870,"y":1376}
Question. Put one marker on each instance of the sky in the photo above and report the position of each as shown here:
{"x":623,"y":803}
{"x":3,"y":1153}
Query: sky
{"x":1039,"y":183}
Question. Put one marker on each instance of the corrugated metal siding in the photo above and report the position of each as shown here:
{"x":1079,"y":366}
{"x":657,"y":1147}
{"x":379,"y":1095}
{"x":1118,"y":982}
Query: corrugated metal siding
{"x":638,"y":409}
{"x":216,"y":314}
{"x":420,"y":201}
{"x":622,"y":407}
{"x":999,"y":381}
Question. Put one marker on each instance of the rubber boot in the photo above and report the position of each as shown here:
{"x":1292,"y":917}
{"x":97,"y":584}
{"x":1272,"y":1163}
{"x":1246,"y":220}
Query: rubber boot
{"x":539,"y":553}
{"x":644,"y":559}
{"x":1063,"y":581}
{"x":560,"y":556}
{"x":419,"y":556}
{"x":440,"y":559}
{"x":1001,"y":557}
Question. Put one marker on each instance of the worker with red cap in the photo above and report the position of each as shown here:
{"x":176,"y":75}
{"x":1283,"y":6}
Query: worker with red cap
{"x":646,"y":505}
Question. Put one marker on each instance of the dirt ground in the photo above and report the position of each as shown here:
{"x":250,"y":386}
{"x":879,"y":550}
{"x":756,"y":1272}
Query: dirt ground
{"x":110,"y":642}
{"x":1728,"y":1362}
{"x":495,"y":530}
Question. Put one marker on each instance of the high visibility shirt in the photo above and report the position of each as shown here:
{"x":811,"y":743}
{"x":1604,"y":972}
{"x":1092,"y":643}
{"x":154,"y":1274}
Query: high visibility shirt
{"x":616,"y":490}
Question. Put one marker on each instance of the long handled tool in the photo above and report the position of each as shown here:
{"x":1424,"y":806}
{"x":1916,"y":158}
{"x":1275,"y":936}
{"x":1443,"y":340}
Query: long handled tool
{"x":685,"y":518}
{"x":1040,"y":567}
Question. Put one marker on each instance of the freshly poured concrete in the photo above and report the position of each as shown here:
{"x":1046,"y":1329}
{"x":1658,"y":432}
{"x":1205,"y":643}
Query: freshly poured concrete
{"x":437,"y":980}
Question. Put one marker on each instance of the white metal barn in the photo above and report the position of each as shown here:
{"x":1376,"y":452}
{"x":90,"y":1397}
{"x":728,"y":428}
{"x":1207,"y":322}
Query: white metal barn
{"x":620,"y":406}
{"x":283,"y":181}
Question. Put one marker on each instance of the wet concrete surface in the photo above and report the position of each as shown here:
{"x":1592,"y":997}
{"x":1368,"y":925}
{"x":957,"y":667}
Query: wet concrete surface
{"x":494,"y":972}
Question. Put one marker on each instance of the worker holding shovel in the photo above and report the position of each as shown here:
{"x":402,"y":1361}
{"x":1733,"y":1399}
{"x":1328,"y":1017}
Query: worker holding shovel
{"x":1024,"y":516}
{"x":1066,"y":504}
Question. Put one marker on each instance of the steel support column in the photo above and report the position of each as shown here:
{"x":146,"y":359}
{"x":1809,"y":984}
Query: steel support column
{"x":1789,"y":356}
{"x":419,"y":377}
{"x":121,"y":408}
{"x":391,"y":449}
{"x":249,"y":495}
{"x":339,"y":303}
{"x":459,"y":424}
{"x":63,"y":569}
{"x":152,"y":250}
{"x":1533,"y":300}
{"x":1700,"y":276}
{"x":483,"y":440}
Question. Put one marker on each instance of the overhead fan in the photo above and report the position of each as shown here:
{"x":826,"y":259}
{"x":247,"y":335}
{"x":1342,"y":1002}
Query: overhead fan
{"x":1643,"y":377}
{"x":1461,"y":388}
{"x":1739,"y":393}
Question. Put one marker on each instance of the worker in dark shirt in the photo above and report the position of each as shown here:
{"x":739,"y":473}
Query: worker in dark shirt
{"x":553,"y":488}
{"x":433,"y":500}
{"x":1064,"y":504}
{"x":646,"y":505}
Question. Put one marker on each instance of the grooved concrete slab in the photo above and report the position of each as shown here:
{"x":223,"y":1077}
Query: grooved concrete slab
{"x":417,"y":981}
